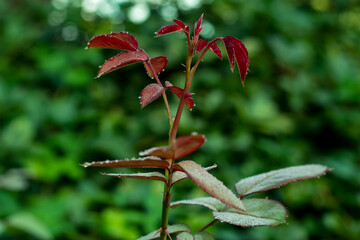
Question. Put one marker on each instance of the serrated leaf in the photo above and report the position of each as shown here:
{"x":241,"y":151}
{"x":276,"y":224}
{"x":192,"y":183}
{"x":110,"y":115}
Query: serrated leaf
{"x":150,"y":93}
{"x":148,"y":176}
{"x":181,"y":227}
{"x":179,"y":23}
{"x":121,"y":60}
{"x":211,"y":185}
{"x":147,"y":162}
{"x":214,"y":47}
{"x":185,"y":236}
{"x":161,"y":152}
{"x":200,"y":45}
{"x":185,"y":145}
{"x":208,"y":202}
{"x":203,"y":236}
{"x":189,"y":101}
{"x":278,"y":178}
{"x":158,"y":63}
{"x":196,"y":236}
{"x":260,"y":212}
{"x":242,"y":58}
{"x":117,"y":40}
{"x":198,"y":27}
{"x":178,"y":175}
{"x":229,"y":46}
{"x":168,"y":29}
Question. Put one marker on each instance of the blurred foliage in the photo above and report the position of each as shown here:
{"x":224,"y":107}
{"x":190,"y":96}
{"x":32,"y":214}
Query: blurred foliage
{"x":300,"y":105}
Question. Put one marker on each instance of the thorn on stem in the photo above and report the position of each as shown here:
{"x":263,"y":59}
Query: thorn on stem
{"x":157,"y":231}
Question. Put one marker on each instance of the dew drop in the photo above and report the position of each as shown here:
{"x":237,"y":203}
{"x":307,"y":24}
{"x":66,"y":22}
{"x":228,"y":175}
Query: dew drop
{"x":111,"y":59}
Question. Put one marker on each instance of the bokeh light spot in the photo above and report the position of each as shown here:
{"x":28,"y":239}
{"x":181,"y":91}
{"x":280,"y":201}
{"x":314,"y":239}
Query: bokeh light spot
{"x":70,"y":33}
{"x":139,"y":13}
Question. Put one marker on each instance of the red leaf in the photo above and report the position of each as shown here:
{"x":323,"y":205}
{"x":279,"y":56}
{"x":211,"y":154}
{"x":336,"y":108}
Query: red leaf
{"x":150,"y":93}
{"x":200,"y":45}
{"x":148,"y":176}
{"x":121,"y":60}
{"x":211,"y":185}
{"x":168,"y":29}
{"x":242,"y":58}
{"x":120,"y":40}
{"x":214,"y":47}
{"x":179,"y":23}
{"x":158,"y":63}
{"x":198,"y":26}
{"x":147,"y":162}
{"x":189,"y":101}
{"x":161,"y":152}
{"x":229,"y":45}
{"x":185,"y":145}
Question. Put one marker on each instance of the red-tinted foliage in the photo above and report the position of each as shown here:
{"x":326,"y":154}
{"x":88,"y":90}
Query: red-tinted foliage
{"x":158,"y":63}
{"x":184,"y":146}
{"x":168,"y":29}
{"x":117,"y":40}
{"x":121,"y":60}
{"x":189,"y":101}
{"x":147,"y":162}
{"x":150,"y":93}
{"x":236,"y":50}
{"x":179,"y":23}
{"x":198,"y":27}
{"x":200,"y":45}
{"x":214,"y":47}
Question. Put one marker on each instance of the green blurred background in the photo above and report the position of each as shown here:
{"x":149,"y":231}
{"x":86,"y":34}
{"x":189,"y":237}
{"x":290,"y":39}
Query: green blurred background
{"x":300,"y":105}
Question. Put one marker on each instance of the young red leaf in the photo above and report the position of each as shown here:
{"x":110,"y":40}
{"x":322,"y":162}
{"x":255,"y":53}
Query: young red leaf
{"x":200,"y":45}
{"x":179,"y":23}
{"x":118,"y":40}
{"x":161,"y":152}
{"x":189,"y":101}
{"x":148,"y":176}
{"x":229,"y":45}
{"x":147,"y":162}
{"x":198,"y":27}
{"x":214,"y":47}
{"x":211,"y":185}
{"x":185,"y":145}
{"x":150,"y":93}
{"x":158,"y":63}
{"x":242,"y":58}
{"x":121,"y":60}
{"x":168,"y":29}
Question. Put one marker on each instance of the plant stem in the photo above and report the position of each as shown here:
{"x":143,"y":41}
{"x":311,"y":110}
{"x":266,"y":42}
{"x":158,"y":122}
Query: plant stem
{"x":166,"y":206}
{"x":208,"y":225}
{"x":172,"y":140}
{"x":163,"y":94}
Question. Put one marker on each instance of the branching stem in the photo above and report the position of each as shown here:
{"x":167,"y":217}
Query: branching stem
{"x":172,"y":140}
